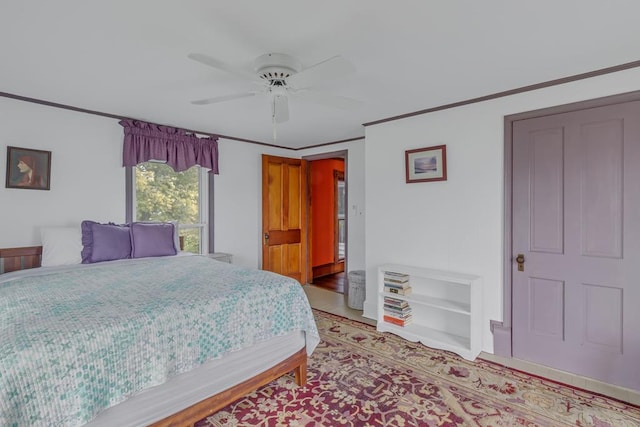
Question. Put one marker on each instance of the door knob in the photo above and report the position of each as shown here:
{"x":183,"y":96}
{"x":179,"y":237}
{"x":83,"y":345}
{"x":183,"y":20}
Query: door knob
{"x":520,"y":261}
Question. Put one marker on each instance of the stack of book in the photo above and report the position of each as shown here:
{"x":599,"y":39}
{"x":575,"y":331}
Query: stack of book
{"x":397,"y":311}
{"x":396,"y":283}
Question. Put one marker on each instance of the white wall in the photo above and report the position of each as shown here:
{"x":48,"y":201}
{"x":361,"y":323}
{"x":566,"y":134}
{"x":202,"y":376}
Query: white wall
{"x":87,"y":180}
{"x":456,"y":224}
{"x":238,"y":200}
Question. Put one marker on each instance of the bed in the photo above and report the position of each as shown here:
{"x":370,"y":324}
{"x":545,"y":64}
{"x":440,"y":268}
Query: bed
{"x":149,"y":341}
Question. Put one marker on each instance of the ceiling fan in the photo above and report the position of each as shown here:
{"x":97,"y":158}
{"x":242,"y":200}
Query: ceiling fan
{"x":279,"y":76}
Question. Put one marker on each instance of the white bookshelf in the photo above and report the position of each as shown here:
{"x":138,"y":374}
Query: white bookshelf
{"x":446,"y":309}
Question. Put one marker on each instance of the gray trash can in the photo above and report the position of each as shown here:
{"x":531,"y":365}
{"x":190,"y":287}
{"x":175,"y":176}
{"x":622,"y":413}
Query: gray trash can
{"x":356,"y":289}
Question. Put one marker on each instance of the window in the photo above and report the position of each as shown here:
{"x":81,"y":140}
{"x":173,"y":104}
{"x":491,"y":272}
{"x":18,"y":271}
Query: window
{"x":161,"y":194}
{"x":340,"y":214}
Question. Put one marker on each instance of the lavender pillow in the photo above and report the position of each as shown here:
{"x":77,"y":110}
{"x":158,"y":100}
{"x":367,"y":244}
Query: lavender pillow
{"x":104,"y":242}
{"x":150,"y":239}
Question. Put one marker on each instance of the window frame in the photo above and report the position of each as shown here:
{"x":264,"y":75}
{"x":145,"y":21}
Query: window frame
{"x":338,"y":177}
{"x":206,"y":206}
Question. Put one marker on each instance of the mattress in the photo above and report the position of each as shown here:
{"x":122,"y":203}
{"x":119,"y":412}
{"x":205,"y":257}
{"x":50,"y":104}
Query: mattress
{"x":77,"y":341}
{"x":211,"y":378}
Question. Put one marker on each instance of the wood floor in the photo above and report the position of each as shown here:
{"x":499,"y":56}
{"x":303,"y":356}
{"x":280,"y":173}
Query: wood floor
{"x":333,"y":282}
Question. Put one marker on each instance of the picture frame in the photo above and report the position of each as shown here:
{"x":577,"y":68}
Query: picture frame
{"x":28,"y":169}
{"x":426,"y":164}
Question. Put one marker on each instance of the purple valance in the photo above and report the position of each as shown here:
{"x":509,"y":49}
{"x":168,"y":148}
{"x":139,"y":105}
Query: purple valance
{"x":179,"y":149}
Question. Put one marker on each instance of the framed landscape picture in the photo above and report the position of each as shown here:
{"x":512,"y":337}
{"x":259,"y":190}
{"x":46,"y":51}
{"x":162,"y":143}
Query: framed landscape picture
{"x":28,"y":169}
{"x":426,"y":164}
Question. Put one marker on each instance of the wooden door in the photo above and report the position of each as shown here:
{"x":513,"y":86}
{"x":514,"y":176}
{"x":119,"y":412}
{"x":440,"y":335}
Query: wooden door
{"x":576,"y":211}
{"x":284,"y":216}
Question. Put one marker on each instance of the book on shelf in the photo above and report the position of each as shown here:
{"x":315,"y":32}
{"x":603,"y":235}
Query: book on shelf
{"x":397,"y":290}
{"x":396,"y":274}
{"x":392,"y":277}
{"x":398,"y":308}
{"x":397,"y":316}
{"x":397,"y":285}
{"x":396,"y":321}
{"x":395,"y":281}
{"x":397,"y":311}
{"x":396,"y":301}
{"x":400,"y":314}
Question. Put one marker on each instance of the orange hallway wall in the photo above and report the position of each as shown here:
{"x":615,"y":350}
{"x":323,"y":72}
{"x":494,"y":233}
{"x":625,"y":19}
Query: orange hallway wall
{"x":323,"y":210}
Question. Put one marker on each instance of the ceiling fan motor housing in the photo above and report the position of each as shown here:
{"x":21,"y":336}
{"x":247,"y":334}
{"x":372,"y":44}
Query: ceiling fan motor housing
{"x":276,"y":67}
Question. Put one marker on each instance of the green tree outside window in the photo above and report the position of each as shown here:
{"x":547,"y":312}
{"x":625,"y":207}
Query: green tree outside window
{"x":165,"y":195}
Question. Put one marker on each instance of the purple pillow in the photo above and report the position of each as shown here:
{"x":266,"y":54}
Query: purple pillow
{"x":152,"y":239}
{"x":104,"y":242}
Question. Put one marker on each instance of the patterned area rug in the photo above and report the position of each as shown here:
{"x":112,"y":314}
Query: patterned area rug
{"x":359,"y":377}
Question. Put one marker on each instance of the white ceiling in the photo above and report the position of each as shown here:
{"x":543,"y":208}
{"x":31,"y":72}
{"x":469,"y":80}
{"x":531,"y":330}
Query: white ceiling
{"x":129,"y":57}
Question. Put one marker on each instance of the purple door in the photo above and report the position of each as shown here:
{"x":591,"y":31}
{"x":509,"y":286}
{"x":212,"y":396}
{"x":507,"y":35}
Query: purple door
{"x":576,"y":222}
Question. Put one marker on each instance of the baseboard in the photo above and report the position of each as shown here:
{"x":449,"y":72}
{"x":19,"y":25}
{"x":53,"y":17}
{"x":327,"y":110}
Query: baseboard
{"x":573,"y":380}
{"x":501,"y":339}
{"x":370,"y":309}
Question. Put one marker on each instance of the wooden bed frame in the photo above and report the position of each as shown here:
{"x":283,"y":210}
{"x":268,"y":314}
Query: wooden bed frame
{"x":13,"y":259}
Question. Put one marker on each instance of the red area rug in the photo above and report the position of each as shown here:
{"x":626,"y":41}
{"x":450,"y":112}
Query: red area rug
{"x":359,"y":377}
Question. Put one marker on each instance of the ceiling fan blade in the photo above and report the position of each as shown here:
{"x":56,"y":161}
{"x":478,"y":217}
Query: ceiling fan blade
{"x":318,"y":73}
{"x":280,"y":109}
{"x":336,"y":101}
{"x":215,"y":63}
{"x":222,"y":98}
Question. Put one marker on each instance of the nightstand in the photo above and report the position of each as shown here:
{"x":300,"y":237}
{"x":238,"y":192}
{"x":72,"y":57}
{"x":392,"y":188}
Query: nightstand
{"x":221,"y":256}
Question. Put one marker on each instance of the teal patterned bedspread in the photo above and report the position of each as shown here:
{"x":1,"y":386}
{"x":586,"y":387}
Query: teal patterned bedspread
{"x":75,"y":342}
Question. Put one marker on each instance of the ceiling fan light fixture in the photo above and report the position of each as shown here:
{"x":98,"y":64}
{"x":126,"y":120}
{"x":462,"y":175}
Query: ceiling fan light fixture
{"x":279,"y":76}
{"x":276,"y":67}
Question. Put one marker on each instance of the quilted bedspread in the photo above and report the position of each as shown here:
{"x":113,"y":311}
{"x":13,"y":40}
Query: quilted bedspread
{"x":75,"y":342}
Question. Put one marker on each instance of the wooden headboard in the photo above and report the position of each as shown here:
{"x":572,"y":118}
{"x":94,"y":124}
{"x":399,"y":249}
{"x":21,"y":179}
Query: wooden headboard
{"x":13,"y":259}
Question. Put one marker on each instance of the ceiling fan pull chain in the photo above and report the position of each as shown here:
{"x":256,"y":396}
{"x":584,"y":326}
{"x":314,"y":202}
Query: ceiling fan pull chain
{"x":273,"y":117}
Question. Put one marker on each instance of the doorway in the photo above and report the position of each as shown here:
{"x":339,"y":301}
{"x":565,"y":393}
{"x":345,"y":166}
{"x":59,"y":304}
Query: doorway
{"x":328,"y":220}
{"x":570,"y":207}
